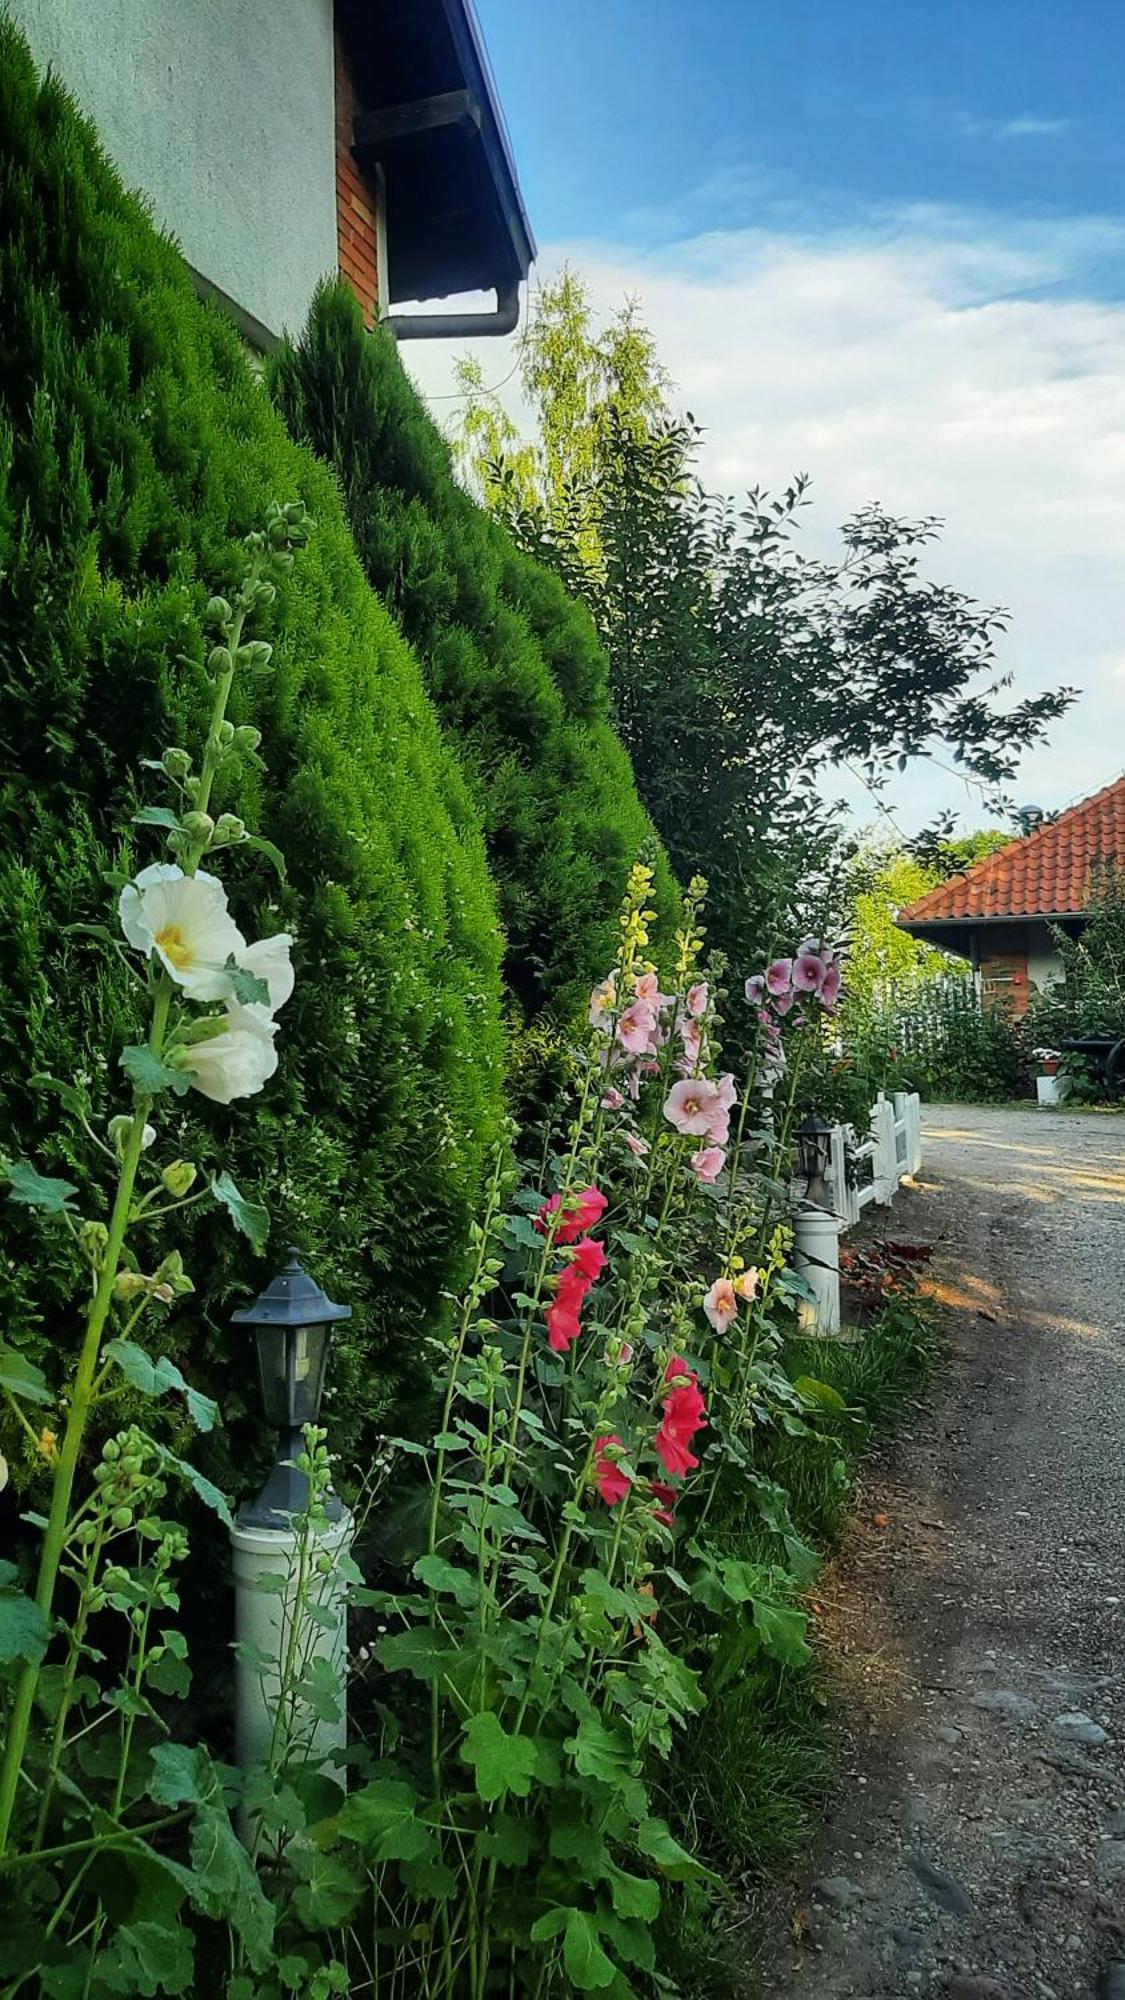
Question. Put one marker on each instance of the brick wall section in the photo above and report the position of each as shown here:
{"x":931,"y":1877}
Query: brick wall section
{"x":355,"y":202}
{"x":1003,"y":970}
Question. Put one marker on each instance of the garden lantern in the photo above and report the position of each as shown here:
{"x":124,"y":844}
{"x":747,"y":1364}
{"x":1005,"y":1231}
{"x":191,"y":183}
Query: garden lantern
{"x":292,"y":1322}
{"x":814,"y":1157}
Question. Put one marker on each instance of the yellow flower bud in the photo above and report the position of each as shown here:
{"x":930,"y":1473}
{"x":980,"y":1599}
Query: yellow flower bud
{"x":179,"y":1177}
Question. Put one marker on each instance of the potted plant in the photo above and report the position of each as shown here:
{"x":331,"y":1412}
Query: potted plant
{"x":1048,"y":1060}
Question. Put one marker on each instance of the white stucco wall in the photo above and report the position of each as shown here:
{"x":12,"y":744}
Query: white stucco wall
{"x":1043,"y":961}
{"x":222,"y":113}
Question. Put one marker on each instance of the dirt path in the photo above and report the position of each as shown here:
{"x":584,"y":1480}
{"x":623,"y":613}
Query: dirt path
{"x":976,"y":1848}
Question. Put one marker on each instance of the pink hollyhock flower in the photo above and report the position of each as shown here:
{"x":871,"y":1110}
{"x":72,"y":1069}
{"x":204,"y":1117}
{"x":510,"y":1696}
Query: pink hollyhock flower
{"x":728,"y":1091}
{"x":779,"y":976}
{"x":808,"y":972}
{"x":684,"y":1413}
{"x":783,"y":1002}
{"x":830,"y":988}
{"x":583,"y":1211}
{"x":636,"y":1028}
{"x":612,"y":1101}
{"x":612,"y":1483}
{"x":746,"y":1283}
{"x":691,"y":1035}
{"x":603,"y":1000}
{"x":666,"y":1495}
{"x":638,"y":1146}
{"x":697,"y":998}
{"x":589,"y":1258}
{"x":646,"y":986}
{"x":721,"y":1305}
{"x":563,"y":1327}
{"x":691,"y":1105}
{"x":708,"y":1164}
{"x":755,"y":988}
{"x":809,"y":944}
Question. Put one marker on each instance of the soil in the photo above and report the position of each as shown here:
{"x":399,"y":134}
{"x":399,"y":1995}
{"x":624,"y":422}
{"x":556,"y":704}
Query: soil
{"x":976,"y":1620}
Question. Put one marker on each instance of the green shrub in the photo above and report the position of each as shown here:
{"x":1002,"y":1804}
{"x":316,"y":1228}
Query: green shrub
{"x":136,"y":446}
{"x":941,"y":1042}
{"x":512,"y":662}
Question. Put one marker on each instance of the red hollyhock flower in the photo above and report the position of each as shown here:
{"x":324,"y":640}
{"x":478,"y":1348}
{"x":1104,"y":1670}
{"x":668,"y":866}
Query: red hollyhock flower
{"x":589,"y":1258}
{"x":684,"y":1413}
{"x":583,"y":1211}
{"x":571,"y":1287}
{"x":667,"y":1498}
{"x":563,"y":1327}
{"x":612,"y":1482}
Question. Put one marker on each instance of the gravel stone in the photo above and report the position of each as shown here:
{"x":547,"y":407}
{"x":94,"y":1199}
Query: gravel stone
{"x":1006,"y":1702}
{"x":1078,"y":1728}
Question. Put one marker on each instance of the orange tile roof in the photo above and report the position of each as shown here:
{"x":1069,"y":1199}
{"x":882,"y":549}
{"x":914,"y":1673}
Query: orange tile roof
{"x":1047,"y":874}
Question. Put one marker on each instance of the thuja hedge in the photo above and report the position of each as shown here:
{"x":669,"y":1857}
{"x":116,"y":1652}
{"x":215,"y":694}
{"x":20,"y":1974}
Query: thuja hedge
{"x":136,"y":445}
{"x":512,"y":663}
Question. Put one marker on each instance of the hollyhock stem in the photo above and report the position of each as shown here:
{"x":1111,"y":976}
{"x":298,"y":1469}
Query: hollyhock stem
{"x":81,"y":1403}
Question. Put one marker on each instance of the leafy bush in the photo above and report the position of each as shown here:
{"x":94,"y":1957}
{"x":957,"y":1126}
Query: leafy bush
{"x":511,"y":662}
{"x":136,"y":448}
{"x":944,"y":1044}
{"x":1089,"y":998}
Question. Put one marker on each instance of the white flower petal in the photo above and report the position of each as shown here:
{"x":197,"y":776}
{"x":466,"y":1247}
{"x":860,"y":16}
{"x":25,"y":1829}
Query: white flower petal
{"x":268,"y":959}
{"x":237,"y":1061}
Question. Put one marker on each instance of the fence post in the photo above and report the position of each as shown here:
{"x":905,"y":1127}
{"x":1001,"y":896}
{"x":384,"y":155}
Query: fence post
{"x":885,"y":1162}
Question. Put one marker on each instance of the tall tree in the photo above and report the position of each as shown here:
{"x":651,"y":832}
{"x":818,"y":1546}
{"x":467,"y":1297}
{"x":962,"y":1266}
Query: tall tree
{"x":744,"y":670}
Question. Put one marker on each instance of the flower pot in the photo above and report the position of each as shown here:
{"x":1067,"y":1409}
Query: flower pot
{"x":1049,"y":1066}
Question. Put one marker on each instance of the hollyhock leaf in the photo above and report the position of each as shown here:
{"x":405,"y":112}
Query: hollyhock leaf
{"x":782,"y":1631}
{"x":438,"y":1574}
{"x":586,"y":1964}
{"x":149,"y":1075}
{"x":381,"y":1820}
{"x":200,"y":1485}
{"x":549,"y":1925}
{"x":575,"y":1840}
{"x":157,"y":816}
{"x":423,"y":1653}
{"x":247,"y":988}
{"x":599,"y":1752}
{"x":331,"y":1889}
{"x":273,"y":854}
{"x":429,"y":1879}
{"x":182,"y":1775}
{"x":155,"y":1378}
{"x":631,"y":1941}
{"x":656,"y":1841}
{"x":20,"y":1377}
{"x":147,"y":1958}
{"x":23,"y":1628}
{"x":35,"y":1190}
{"x":247,"y":1216}
{"x":508,"y":1840}
{"x":634,"y":1895}
{"x":502,"y":1763}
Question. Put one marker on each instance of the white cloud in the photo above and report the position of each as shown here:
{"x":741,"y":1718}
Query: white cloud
{"x":1025,"y":126}
{"x":939,"y":363}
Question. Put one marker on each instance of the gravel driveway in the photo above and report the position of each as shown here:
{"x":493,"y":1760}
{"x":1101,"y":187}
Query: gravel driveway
{"x":976,"y":1847}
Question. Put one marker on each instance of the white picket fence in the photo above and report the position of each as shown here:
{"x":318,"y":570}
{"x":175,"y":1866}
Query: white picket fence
{"x":891,"y":1151}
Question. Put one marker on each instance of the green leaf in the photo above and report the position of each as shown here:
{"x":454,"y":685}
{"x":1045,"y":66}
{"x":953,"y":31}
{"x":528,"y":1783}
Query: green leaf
{"x":423,"y":1653}
{"x":223,"y":1883}
{"x":820,"y":1394}
{"x":23,"y":1628}
{"x":438,"y":1574}
{"x":248,"y":988}
{"x":599,"y":1752}
{"x":149,"y":1075}
{"x":248,"y":1216}
{"x":156,"y":1378}
{"x":587,"y":1966}
{"x":201,"y":1486}
{"x":782,"y":1632}
{"x":381,"y":1821}
{"x":273,"y":854}
{"x":157,"y":816}
{"x":22,"y":1378}
{"x":73,"y":1100}
{"x":654,"y":1839}
{"x":147,"y":1958}
{"x":182,"y":1775}
{"x":501,"y":1763}
{"x":35,"y":1190}
{"x":634,"y":1895}
{"x":330,"y":1890}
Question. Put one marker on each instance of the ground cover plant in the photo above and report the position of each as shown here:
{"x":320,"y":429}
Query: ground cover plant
{"x":511,"y":662}
{"x":136,"y":450}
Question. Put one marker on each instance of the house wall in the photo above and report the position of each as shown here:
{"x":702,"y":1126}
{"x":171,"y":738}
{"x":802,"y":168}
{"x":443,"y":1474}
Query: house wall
{"x":1003,"y":967}
{"x":361,"y":249}
{"x":222,"y":112}
{"x":1043,"y":962}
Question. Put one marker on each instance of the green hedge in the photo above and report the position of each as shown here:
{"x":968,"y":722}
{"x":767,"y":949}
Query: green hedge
{"x":136,"y":445}
{"x":510,"y":660}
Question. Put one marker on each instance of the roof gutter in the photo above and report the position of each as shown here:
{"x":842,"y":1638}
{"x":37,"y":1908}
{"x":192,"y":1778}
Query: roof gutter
{"x":460,"y":326}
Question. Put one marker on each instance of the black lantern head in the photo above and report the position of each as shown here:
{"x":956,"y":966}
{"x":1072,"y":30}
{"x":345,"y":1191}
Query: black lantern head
{"x":814,"y":1158}
{"x":292,"y":1322}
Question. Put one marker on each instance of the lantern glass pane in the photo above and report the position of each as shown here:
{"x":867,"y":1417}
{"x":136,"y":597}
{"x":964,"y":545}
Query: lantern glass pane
{"x":291,"y":1362}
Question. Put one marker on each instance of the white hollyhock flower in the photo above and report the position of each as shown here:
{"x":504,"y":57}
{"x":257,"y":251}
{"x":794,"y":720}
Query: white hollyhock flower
{"x":268,"y":960}
{"x":183,"y":919}
{"x":3,"y":1472}
{"x":238,"y":1060}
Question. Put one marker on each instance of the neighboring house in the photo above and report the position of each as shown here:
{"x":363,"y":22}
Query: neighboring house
{"x":999,"y":913}
{"x":280,"y":140}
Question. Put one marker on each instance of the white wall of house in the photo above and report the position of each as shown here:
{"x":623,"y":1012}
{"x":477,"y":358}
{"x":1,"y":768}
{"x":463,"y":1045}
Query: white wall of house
{"x":222,"y":113}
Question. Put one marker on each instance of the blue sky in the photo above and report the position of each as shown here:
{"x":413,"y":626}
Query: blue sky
{"x":882,"y":243}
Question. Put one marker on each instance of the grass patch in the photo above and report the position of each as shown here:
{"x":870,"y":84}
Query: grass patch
{"x":756,"y":1769}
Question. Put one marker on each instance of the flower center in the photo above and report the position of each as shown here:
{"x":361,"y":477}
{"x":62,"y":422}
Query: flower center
{"x":171,"y":942}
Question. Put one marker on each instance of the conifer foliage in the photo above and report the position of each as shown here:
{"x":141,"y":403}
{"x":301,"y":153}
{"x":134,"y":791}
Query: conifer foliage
{"x":511,"y":661}
{"x":136,"y":448}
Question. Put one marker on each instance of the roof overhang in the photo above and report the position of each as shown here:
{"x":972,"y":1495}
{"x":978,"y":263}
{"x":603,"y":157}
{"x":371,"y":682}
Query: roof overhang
{"x":956,"y":933}
{"x":429,"y":117}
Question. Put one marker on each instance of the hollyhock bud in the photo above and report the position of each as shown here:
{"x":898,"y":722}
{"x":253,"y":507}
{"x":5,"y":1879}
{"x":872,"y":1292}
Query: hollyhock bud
{"x":119,"y":1129}
{"x":176,"y":762}
{"x":178,"y":1177}
{"x":612,"y":1101}
{"x":666,"y":1495}
{"x":638,"y":1146}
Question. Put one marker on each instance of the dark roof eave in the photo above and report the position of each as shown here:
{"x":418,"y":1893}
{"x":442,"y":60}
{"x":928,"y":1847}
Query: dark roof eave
{"x":971,"y":922}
